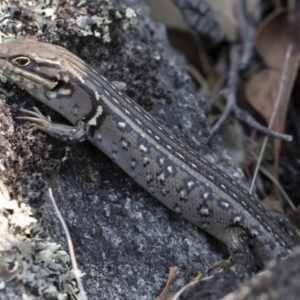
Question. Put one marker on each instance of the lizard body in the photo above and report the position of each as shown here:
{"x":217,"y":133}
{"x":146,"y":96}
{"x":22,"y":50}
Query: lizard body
{"x":169,"y":170}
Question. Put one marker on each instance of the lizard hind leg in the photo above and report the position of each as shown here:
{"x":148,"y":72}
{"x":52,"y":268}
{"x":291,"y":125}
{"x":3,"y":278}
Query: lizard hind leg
{"x":238,"y":246}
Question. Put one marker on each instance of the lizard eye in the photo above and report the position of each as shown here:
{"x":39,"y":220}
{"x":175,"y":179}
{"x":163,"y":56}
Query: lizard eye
{"x":22,"y":61}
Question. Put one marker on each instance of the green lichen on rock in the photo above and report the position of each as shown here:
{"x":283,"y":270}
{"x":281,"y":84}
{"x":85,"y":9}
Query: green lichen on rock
{"x":40,"y":266}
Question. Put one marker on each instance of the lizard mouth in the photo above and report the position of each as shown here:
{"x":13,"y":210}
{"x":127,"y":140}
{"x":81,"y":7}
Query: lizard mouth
{"x":61,"y":87}
{"x":57,"y":85}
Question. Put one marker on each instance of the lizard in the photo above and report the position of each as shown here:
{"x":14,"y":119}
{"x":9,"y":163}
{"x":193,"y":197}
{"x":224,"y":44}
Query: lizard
{"x":173,"y":173}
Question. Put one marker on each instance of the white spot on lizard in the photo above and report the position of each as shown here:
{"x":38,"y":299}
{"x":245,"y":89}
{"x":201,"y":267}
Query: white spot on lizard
{"x":236,"y":219}
{"x":64,"y":92}
{"x":97,"y":96}
{"x":93,"y":120}
{"x":204,"y":211}
{"x":143,"y":148}
{"x":190,"y":184}
{"x":121,"y":125}
{"x":161,"y":177}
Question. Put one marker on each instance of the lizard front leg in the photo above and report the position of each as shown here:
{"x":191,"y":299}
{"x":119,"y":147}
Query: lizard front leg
{"x":66,"y":133}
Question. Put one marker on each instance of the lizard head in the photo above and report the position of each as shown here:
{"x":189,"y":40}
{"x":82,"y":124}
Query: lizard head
{"x":51,"y":74}
{"x":29,"y":63}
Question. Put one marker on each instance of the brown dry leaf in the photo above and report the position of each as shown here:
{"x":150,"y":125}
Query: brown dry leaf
{"x":224,"y":12}
{"x":273,"y":37}
{"x":276,"y":33}
{"x":166,"y":12}
{"x":261,"y":92}
{"x":271,"y":204}
{"x":294,"y":217}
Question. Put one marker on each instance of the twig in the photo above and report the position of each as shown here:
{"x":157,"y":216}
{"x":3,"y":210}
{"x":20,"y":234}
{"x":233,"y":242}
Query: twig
{"x":230,"y":94}
{"x":172,"y":274}
{"x":204,"y":126}
{"x":71,"y":248}
{"x":200,"y":79}
{"x":246,"y":118}
{"x":247,"y":32}
{"x":278,"y":98}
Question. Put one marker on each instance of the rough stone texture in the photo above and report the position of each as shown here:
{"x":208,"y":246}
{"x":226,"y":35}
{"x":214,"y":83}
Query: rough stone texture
{"x":30,"y":264}
{"x":217,"y":286}
{"x":279,"y":281}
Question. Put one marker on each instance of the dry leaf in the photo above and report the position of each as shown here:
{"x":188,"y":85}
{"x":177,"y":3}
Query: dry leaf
{"x":272,"y":40}
{"x":273,"y":37}
{"x":261,"y":92}
{"x":271,"y":204}
{"x":294,"y":217}
{"x":224,"y":12}
{"x":166,"y":12}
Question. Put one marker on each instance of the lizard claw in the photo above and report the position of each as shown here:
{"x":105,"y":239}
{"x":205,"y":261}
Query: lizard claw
{"x":62,"y":132}
{"x":36,"y":117}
